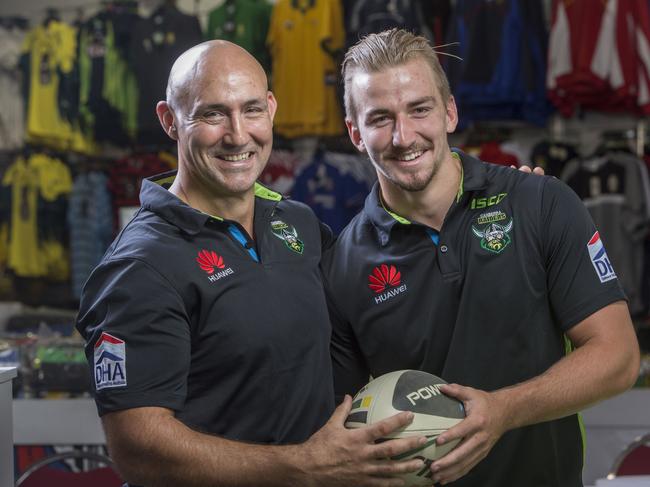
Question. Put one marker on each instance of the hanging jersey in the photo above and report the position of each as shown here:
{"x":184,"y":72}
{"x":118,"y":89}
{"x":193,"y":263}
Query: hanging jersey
{"x":553,"y":157}
{"x":24,"y":258}
{"x":39,"y":188}
{"x":156,"y":43}
{"x":503,"y":49}
{"x":90,"y":219}
{"x":51,"y":50}
{"x":333,"y":195}
{"x":598,"y":56}
{"x":125,"y":179}
{"x":304,"y":39}
{"x":615,"y":190}
{"x":370,"y":16}
{"x":12,"y":129}
{"x":244,"y":22}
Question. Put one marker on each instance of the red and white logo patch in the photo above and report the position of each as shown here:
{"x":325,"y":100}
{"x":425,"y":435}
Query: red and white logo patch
{"x":110,"y":362}
{"x":213,"y":265}
{"x":384,"y":276}
{"x":599,"y":259}
{"x":386,"y":282}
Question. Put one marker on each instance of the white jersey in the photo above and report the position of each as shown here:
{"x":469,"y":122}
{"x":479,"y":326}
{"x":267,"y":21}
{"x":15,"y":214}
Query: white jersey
{"x":12,"y":121}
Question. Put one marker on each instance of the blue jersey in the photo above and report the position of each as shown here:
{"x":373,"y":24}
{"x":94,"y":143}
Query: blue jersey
{"x":333,"y":194}
{"x":503,"y":46}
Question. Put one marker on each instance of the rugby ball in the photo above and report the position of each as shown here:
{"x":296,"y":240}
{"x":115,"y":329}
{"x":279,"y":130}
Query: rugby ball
{"x":418,"y":392}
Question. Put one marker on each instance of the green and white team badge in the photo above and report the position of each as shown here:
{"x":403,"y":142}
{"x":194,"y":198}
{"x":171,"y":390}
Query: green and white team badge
{"x":495,"y":236}
{"x":286,"y":232}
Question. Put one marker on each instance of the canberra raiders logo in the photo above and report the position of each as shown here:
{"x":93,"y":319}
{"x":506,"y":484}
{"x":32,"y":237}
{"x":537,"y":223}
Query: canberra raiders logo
{"x":494,"y":237}
{"x":289,"y":234}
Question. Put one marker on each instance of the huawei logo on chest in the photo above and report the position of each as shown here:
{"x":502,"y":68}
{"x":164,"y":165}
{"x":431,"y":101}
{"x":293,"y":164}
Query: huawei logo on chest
{"x":213,"y":265}
{"x":386,"y":282}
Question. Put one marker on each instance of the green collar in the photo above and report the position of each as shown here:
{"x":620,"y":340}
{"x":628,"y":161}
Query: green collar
{"x":266,"y":193}
{"x":166,"y":179}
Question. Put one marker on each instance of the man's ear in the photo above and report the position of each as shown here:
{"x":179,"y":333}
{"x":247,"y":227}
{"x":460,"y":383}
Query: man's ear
{"x":355,"y":135}
{"x":167,"y":119}
{"x":272,"y":103}
{"x":452,"y":114}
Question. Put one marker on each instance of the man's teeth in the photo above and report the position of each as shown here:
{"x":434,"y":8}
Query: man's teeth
{"x":412,"y":155}
{"x":236,"y":157}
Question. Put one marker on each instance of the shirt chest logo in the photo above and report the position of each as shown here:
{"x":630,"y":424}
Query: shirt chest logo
{"x":493,"y":231}
{"x":288,"y":234}
{"x":213,"y":265}
{"x":386,"y":282}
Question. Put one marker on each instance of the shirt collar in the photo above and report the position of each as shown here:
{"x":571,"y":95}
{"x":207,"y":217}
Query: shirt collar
{"x":155,"y":197}
{"x":473,"y":177}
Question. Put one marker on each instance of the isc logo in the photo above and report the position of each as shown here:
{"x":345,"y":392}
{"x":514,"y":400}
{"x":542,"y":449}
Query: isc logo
{"x":478,"y":203}
{"x":426,"y":392}
{"x":599,"y":259}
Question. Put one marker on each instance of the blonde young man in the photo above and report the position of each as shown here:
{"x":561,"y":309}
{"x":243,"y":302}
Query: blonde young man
{"x":475,"y":273}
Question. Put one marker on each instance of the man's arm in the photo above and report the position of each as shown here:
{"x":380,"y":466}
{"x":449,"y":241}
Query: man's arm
{"x":591,"y":313}
{"x":151,"y":447}
{"x":605,"y":362}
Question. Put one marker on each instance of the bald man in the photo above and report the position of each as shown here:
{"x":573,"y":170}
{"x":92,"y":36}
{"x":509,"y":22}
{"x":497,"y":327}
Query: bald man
{"x":206,"y":321}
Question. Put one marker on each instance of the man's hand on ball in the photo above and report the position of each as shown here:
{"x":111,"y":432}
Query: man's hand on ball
{"x":338,"y":456}
{"x":478,"y":432}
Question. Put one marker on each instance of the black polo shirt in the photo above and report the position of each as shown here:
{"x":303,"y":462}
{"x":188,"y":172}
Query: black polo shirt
{"x":187,"y":313}
{"x":517,"y":263}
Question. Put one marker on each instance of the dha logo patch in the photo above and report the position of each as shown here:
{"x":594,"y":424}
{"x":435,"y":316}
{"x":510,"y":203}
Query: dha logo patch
{"x":599,"y":259}
{"x":110,"y":362}
{"x":213,"y":265}
{"x":383,"y":277}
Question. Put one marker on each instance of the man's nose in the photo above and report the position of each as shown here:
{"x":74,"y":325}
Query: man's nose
{"x":403,"y":133}
{"x":236,"y":133}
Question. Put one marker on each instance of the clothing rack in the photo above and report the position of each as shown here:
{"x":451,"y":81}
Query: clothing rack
{"x":558,"y":129}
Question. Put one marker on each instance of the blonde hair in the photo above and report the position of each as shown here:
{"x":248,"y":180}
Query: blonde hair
{"x":386,"y":49}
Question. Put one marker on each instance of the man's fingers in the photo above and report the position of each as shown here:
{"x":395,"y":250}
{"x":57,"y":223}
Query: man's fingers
{"x":456,"y":391}
{"x":539,"y":171}
{"x":388,"y":468}
{"x":385,"y":427}
{"x":456,"y":463}
{"x":398,"y":446}
{"x":341,"y":413}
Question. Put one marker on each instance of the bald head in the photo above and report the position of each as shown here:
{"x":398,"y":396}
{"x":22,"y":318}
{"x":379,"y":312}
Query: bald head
{"x":198,"y":65}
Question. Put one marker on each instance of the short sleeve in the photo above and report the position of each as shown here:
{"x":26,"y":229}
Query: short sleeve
{"x":137,"y":337}
{"x":581,"y":279}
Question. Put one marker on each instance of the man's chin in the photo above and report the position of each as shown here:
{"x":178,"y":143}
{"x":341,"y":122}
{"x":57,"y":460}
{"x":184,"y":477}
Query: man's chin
{"x":412,"y":185}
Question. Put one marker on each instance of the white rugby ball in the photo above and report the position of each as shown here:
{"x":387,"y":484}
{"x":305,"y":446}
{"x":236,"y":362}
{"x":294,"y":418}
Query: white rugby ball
{"x":418,"y":392}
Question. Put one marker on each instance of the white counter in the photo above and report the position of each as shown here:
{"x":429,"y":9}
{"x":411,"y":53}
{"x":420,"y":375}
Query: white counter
{"x":57,"y":422}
